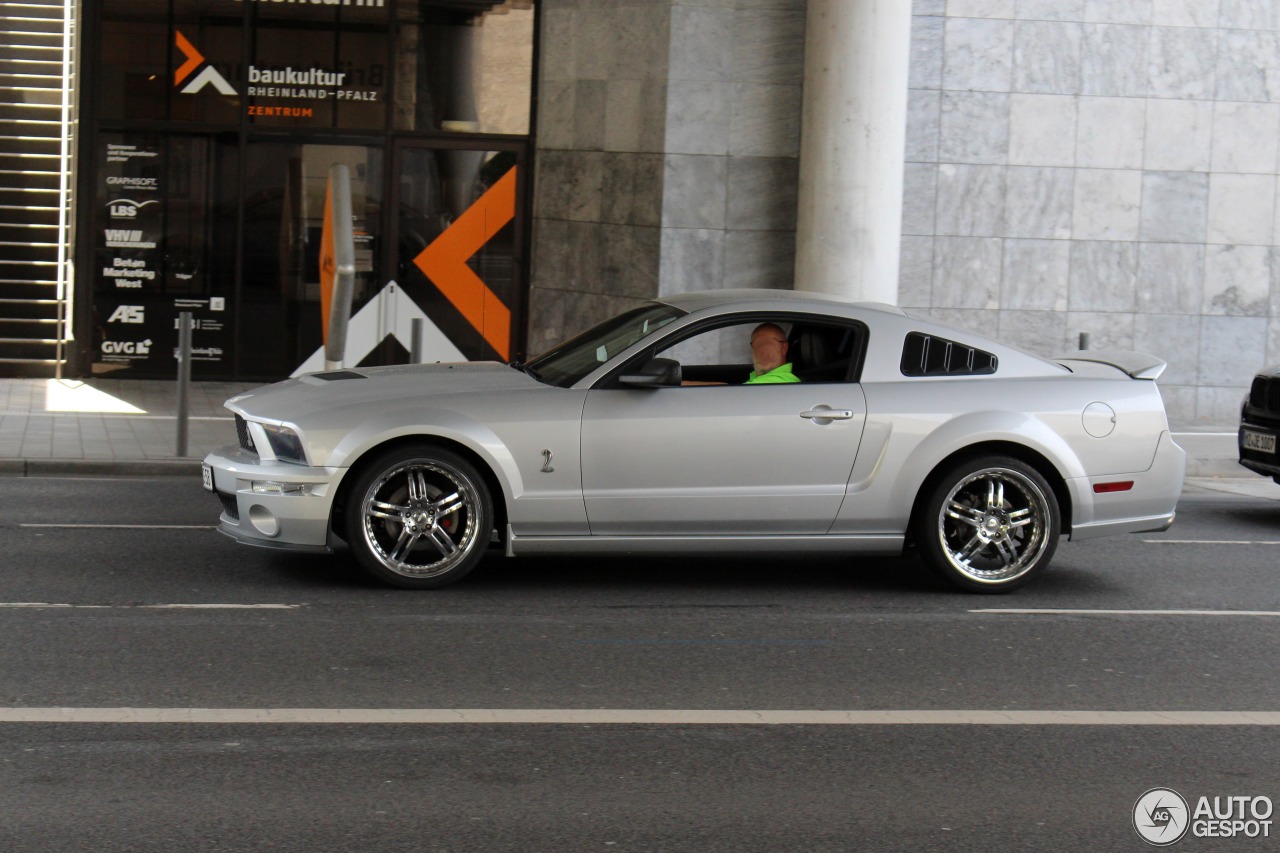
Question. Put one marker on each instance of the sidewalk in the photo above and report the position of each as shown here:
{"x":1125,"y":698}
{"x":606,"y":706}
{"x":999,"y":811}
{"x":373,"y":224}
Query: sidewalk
{"x":125,"y":427}
{"x":110,"y":426}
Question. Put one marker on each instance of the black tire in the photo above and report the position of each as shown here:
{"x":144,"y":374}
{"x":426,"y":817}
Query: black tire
{"x":419,"y":517}
{"x":989,"y":524}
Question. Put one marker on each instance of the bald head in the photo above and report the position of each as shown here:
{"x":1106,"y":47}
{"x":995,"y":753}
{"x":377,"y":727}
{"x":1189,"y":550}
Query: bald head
{"x":768,"y":347}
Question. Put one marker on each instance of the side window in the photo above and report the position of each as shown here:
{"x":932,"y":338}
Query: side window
{"x":819,"y":350}
{"x":827,"y":352}
{"x":930,"y":355}
{"x":721,"y":346}
{"x":719,"y":356}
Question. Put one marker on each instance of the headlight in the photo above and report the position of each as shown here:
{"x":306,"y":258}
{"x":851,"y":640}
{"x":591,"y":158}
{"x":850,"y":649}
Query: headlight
{"x":285,"y":444}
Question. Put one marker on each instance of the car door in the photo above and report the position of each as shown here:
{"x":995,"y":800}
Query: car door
{"x":728,"y":459}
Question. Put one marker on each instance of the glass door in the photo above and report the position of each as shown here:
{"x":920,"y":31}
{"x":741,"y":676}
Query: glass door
{"x":280,"y":297}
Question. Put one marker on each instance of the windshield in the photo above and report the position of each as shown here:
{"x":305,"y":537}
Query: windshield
{"x":567,"y":363}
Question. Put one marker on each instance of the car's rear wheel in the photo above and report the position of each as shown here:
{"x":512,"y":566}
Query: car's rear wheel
{"x":419,"y":517}
{"x":989,"y":524}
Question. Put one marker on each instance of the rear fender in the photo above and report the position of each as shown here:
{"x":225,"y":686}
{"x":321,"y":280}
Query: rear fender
{"x":907,"y":459}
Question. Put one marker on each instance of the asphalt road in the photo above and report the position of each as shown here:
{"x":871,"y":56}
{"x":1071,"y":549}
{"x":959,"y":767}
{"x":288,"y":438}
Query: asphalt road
{"x":170,"y":618}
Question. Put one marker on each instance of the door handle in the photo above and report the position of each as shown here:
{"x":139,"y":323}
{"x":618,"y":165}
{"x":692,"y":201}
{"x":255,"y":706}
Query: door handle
{"x":827,"y":415}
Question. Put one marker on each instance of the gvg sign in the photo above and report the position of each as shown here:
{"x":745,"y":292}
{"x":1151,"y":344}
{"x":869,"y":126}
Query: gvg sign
{"x":1163,"y":817}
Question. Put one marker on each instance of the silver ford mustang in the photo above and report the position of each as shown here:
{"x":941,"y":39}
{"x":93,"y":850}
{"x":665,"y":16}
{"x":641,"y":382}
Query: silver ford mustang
{"x":642,"y":436}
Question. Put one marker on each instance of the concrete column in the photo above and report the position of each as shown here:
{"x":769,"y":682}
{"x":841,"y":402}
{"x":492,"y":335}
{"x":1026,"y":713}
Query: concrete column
{"x":852,"y":148}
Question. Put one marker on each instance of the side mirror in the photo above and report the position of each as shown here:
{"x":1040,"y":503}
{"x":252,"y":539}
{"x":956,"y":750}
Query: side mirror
{"x":654,"y":373}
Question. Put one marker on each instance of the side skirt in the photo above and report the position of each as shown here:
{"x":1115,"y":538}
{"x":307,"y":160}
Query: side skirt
{"x":884,"y":544}
{"x":1146,"y":524}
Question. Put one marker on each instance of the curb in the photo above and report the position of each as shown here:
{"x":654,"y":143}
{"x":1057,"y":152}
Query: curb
{"x":1229,"y":468}
{"x":100,"y":467}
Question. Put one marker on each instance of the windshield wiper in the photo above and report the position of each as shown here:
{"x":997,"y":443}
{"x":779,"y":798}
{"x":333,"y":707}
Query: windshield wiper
{"x":524,"y":368}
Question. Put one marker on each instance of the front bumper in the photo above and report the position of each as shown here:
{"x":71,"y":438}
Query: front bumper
{"x":1257,"y":460}
{"x":273,"y":504}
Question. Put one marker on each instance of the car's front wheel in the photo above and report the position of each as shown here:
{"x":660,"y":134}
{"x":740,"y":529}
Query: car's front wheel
{"x":419,"y":517}
{"x":989,"y":524}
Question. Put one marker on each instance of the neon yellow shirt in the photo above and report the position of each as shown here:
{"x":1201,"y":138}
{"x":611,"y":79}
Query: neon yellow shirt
{"x":777,"y":376}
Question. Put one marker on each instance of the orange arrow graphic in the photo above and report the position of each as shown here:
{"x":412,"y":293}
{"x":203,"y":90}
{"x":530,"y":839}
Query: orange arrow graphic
{"x":194,"y":58}
{"x":445,"y":262}
{"x":328,"y":263}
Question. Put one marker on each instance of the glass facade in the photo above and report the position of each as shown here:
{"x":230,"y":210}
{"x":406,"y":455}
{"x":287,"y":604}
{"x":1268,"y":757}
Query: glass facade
{"x":215,"y":127}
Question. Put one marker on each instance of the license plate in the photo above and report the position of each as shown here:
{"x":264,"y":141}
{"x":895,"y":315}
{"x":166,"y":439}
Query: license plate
{"x":207,"y":473}
{"x":1259,"y":441}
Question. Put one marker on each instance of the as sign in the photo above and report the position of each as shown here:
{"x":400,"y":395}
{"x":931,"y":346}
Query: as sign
{"x":128,"y":314}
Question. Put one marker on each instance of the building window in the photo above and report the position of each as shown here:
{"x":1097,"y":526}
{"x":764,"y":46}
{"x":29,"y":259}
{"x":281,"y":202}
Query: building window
{"x":214,"y":127}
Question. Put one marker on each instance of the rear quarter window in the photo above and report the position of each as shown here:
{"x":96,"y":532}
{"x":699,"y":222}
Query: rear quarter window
{"x":930,"y":355}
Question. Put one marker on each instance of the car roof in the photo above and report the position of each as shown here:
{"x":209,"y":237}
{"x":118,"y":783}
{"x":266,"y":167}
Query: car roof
{"x":764,"y":298}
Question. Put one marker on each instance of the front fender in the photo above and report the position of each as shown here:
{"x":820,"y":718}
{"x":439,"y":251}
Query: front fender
{"x":441,"y":423}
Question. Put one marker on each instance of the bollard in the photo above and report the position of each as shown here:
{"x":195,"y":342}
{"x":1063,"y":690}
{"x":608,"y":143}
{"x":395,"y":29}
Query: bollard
{"x":344,"y":267}
{"x":415,"y":340}
{"x":184,"y":378}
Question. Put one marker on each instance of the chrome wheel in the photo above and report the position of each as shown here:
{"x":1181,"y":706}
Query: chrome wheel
{"x":990,"y":524}
{"x":422,"y":518}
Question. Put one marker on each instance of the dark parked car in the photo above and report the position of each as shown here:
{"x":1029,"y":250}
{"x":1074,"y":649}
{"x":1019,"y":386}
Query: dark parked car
{"x":1260,"y":424}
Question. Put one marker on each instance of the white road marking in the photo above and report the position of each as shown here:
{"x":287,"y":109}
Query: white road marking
{"x":216,"y":606}
{"x":1006,"y":611}
{"x":1212,"y":541}
{"x":41,"y":605}
{"x":133,"y":417}
{"x":126,"y":526}
{"x":609,"y":716}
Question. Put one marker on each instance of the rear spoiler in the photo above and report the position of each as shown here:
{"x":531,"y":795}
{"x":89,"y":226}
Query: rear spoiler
{"x":1139,"y":365}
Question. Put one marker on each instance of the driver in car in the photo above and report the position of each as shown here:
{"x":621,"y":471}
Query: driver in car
{"x":769,"y":356}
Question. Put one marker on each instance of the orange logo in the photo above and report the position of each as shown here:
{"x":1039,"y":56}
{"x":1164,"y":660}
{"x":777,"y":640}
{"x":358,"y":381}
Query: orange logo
{"x":208,"y":77}
{"x":445,"y":262}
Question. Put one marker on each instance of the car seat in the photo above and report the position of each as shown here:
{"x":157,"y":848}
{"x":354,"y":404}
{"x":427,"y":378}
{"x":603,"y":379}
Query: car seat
{"x":822,"y":354}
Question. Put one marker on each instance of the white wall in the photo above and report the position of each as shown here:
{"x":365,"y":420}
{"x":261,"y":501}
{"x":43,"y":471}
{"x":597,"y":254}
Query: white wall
{"x":1102,"y":167}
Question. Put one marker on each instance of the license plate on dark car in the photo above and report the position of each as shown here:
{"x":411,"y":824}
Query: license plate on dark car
{"x":1259,"y":441}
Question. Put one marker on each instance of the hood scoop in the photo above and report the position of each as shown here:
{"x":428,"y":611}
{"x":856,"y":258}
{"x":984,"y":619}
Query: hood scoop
{"x":334,"y":375}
